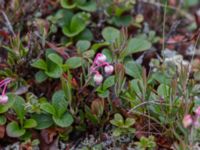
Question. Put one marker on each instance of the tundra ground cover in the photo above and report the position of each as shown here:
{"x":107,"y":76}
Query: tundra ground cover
{"x":99,"y":74}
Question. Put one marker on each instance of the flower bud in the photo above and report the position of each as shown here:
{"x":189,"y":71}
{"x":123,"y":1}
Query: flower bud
{"x":3,"y":99}
{"x":98,"y":78}
{"x":100,"y":58}
{"x":187,"y":121}
{"x":197,"y":111}
{"x":109,"y":69}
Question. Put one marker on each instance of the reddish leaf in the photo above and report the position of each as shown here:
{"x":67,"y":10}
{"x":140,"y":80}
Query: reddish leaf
{"x":48,"y":135}
{"x":4,"y":34}
{"x":197,"y":17}
{"x":172,"y":2}
{"x":2,"y":132}
{"x":97,"y":107}
{"x":60,"y":50}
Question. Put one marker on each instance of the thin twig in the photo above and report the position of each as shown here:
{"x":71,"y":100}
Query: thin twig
{"x":147,"y":102}
{"x":8,"y":23}
{"x":164,"y":23}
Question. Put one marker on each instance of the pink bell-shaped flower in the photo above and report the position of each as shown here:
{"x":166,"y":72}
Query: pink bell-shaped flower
{"x":109,"y":69}
{"x":197,"y":111}
{"x":98,"y":78}
{"x":187,"y":121}
{"x":100,"y":58}
{"x":3,"y":99}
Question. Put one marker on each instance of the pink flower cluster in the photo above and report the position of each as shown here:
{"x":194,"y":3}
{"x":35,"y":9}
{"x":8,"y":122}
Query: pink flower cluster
{"x":3,"y":85}
{"x":190,"y":120}
{"x":99,"y":62}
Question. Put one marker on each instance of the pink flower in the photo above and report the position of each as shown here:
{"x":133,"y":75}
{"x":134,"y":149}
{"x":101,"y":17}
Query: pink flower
{"x":187,"y":121}
{"x":98,"y":64}
{"x":98,"y":78}
{"x":109,"y":69}
{"x":100,"y":58}
{"x":3,"y":96}
{"x":3,"y":99}
{"x":197,"y":111}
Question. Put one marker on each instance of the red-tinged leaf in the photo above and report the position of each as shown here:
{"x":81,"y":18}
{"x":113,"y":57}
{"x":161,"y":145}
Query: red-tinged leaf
{"x":4,"y":34}
{"x":48,"y":135}
{"x":26,"y":146}
{"x":74,"y":83}
{"x":117,"y":103}
{"x":97,"y":107}
{"x":60,"y":50}
{"x":2,"y":132}
{"x":172,"y":2}
{"x":197,"y":17}
{"x":51,"y":146}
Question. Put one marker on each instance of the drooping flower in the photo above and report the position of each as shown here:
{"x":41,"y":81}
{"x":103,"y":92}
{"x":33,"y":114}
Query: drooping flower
{"x":187,"y":121}
{"x":3,"y":85}
{"x":3,"y":99}
{"x":98,"y":63}
{"x":100,"y":58}
{"x":109,"y":69}
{"x":98,"y":78}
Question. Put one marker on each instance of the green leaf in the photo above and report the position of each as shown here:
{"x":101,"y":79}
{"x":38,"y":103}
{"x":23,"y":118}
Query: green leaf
{"x":40,"y":76}
{"x":129,"y":122}
{"x":90,"y":116}
{"x":78,"y":24}
{"x":47,"y":107}
{"x":67,"y":4}
{"x":54,"y":70}
{"x":96,"y":46}
{"x":88,"y":6}
{"x":137,"y":45}
{"x":59,"y":103}
{"x":109,"y":82}
{"x":19,"y":108}
{"x":131,"y":130}
{"x":118,"y":117}
{"x":64,"y":121}
{"x":118,"y":120}
{"x":189,"y":3}
{"x":108,"y":54}
{"x":2,"y":120}
{"x":43,"y":121}
{"x":122,"y":20}
{"x":35,"y":142}
{"x":63,"y":17}
{"x":134,"y":86}
{"x":13,"y":130}
{"x":4,"y":107}
{"x":110,"y":34}
{"x":56,"y":59}
{"x":117,"y":132}
{"x":40,"y":64}
{"x":74,"y":62}
{"x":67,"y":88}
{"x":163,"y":91}
{"x":103,"y":94}
{"x":133,"y":69}
{"x":85,"y":35}
{"x":30,"y":123}
{"x":89,"y":54}
{"x":83,"y":45}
